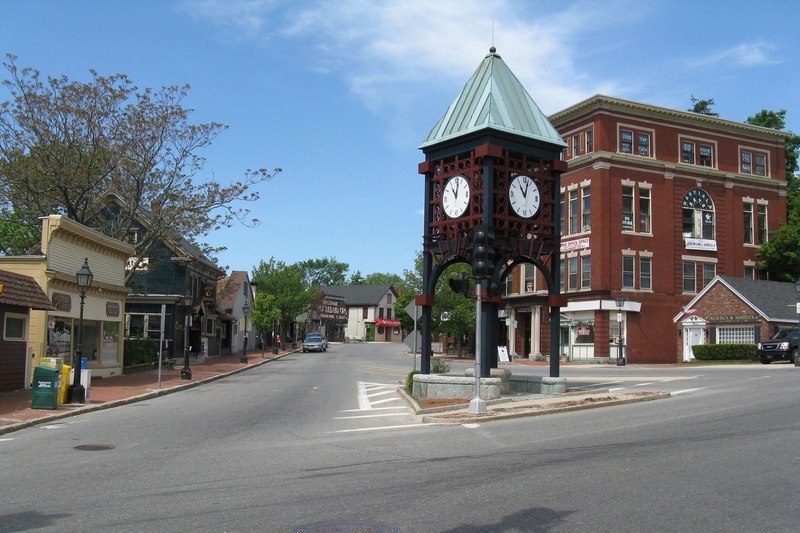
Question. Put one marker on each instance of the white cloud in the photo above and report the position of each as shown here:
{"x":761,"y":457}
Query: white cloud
{"x":753,"y":54}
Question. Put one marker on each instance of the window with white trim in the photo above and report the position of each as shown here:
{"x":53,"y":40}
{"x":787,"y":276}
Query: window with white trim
{"x":529,"y":280}
{"x":698,"y":215}
{"x":709,"y":272}
{"x":589,"y":141}
{"x":15,"y":327}
{"x":586,"y":272}
{"x":645,"y":273}
{"x":644,"y":210}
{"x":586,"y":209}
{"x":573,"y":273}
{"x":689,"y":276}
{"x":762,"y":224}
{"x":748,"y":222}
{"x":735,"y":335}
{"x":627,"y":208}
{"x":628,"y":271}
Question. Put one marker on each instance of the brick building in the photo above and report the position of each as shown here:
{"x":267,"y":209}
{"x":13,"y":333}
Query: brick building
{"x":656,"y":203}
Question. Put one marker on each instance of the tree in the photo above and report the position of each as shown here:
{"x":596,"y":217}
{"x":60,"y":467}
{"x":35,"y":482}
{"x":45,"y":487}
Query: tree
{"x":64,"y":145}
{"x":780,"y":256}
{"x":16,"y":237}
{"x":408,"y":287}
{"x":460,"y":311}
{"x":356,"y":278}
{"x":325,"y":272}
{"x":382,"y":278}
{"x":702,"y":107}
{"x":777,"y":121}
{"x":283,"y":294}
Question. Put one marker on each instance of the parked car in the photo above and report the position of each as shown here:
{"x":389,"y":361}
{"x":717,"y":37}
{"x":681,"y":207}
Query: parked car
{"x":315,"y":342}
{"x":782,"y":346}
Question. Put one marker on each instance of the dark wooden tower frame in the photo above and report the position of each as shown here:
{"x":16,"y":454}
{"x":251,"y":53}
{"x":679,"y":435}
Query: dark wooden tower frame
{"x":490,"y":159}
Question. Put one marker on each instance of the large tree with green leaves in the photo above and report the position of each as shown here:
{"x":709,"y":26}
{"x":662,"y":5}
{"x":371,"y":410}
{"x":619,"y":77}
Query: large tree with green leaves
{"x":780,"y":256}
{"x":64,"y":145}
{"x":325,"y":272}
{"x":283,"y":293}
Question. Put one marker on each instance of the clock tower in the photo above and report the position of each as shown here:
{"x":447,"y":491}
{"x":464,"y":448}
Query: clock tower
{"x":492,"y":179}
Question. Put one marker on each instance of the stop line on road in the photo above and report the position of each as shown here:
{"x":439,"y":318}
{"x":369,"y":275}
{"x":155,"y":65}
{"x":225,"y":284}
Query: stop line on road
{"x":378,"y":400}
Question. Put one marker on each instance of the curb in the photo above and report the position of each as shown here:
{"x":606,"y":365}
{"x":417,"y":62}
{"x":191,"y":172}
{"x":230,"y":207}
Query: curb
{"x":133,"y":399}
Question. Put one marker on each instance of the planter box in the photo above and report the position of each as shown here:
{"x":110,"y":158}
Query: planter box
{"x":443,"y":386}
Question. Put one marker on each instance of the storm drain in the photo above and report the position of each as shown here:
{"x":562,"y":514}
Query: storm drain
{"x":347,"y":526}
{"x":94,"y":447}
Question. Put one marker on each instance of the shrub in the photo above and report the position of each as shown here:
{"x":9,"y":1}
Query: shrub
{"x":440,"y":366}
{"x":139,"y":351}
{"x":725,"y":352}
{"x":410,"y":381}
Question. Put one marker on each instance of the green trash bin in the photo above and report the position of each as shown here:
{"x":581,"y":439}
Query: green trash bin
{"x":46,"y":385}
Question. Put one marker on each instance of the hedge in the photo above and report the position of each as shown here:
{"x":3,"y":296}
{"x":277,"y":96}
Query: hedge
{"x":140,"y":351}
{"x":725,"y":352}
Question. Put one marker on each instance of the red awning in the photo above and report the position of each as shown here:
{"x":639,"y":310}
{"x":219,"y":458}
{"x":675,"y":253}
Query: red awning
{"x":384,"y":322}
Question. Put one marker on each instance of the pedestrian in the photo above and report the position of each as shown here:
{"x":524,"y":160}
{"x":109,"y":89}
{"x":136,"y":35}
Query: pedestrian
{"x":278,"y":341}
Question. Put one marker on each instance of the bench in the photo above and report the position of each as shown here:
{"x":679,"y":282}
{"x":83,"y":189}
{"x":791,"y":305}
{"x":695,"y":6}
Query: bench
{"x":169,"y":362}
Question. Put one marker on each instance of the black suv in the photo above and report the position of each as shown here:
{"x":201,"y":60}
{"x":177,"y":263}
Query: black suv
{"x":782,"y":346}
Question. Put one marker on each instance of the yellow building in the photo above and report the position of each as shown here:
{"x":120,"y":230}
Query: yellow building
{"x":64,"y":248}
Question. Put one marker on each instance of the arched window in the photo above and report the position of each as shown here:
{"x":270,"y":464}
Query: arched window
{"x":698,"y":215}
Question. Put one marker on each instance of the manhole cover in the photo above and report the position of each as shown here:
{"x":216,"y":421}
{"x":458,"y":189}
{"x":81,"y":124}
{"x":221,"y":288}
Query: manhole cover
{"x":347,"y":526}
{"x":94,"y":447}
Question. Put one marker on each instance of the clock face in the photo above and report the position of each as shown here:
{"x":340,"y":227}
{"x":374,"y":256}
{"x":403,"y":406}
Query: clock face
{"x":455,"y":198}
{"x":524,"y":196}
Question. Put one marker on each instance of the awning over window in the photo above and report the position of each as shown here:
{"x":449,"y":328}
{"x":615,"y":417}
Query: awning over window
{"x":384,"y":322}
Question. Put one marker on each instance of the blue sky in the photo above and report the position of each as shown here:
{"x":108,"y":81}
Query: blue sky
{"x":341,"y":93}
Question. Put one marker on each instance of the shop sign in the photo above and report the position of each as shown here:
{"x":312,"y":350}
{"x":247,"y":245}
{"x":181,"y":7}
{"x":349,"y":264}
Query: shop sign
{"x":707,"y":245}
{"x":575,"y":244}
{"x":62,"y":302}
{"x":112,"y":308}
{"x":329,"y":309}
{"x":731,"y":319}
{"x":584,"y":331}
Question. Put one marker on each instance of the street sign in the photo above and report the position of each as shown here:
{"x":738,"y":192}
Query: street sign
{"x":413,"y":310}
{"x":412,"y":342}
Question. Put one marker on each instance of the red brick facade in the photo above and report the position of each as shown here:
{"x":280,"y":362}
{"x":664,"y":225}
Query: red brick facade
{"x":655,"y":203}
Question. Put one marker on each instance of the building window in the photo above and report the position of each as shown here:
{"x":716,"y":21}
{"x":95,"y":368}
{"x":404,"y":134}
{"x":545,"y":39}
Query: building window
{"x":380,"y":312}
{"x":573,"y":273}
{"x":698,"y":215}
{"x":644,"y":144}
{"x":561,"y":275}
{"x":627,"y":208}
{"x":573,"y":211}
{"x":689,"y":276}
{"x":645,"y":273}
{"x":626,"y":142}
{"x":748,"y":223}
{"x":509,"y":284}
{"x":735,"y":335}
{"x":627,"y":271}
{"x":561,"y":223}
{"x":709,"y":273}
{"x":576,"y":145}
{"x":706,"y":159}
{"x":761,"y":165}
{"x":388,"y":298}
{"x":530,"y":274}
{"x":749,"y":272}
{"x":746,"y":162}
{"x":589,"y":142}
{"x":644,"y":210}
{"x":586,"y":209}
{"x":143,"y":326}
{"x":586,"y":272}
{"x":15,"y":327}
{"x":762,"y":225}
{"x":365,"y":313}
{"x":210,"y":326}
{"x":687,"y":152}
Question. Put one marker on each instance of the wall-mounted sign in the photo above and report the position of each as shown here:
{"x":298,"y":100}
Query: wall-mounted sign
{"x":112,"y":308}
{"x":575,"y":244}
{"x":731,"y":319}
{"x":331,"y":309}
{"x":61,"y":301}
{"x":707,"y":245}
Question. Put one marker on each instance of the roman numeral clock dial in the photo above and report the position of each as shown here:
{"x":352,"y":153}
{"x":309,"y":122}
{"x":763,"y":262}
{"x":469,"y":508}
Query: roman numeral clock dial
{"x":455,"y":198}
{"x":524,"y":196}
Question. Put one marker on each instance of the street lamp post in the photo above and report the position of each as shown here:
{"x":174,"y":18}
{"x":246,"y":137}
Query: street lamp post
{"x":246,"y":311}
{"x":620,"y":355}
{"x":76,"y":391}
{"x":186,"y":372}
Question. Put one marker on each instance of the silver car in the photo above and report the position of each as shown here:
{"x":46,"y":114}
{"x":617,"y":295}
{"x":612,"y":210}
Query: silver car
{"x":315,"y":342}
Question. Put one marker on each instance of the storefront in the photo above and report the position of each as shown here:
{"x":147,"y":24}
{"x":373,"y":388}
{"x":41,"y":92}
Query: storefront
{"x":65,"y":246}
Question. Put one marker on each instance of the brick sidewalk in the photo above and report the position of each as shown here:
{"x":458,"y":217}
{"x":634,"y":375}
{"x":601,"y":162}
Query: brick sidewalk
{"x":15,"y":407}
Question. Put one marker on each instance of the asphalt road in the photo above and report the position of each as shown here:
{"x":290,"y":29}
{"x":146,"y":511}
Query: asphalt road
{"x":316,"y":437}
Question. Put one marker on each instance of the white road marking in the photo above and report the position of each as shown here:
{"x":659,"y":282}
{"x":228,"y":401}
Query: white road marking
{"x":368,"y":416}
{"x":386,"y":427}
{"x":5,"y":440}
{"x":643,"y":384}
{"x":686,"y":390}
{"x":616,"y":389}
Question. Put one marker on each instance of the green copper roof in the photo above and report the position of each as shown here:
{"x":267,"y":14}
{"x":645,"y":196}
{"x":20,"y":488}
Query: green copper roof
{"x":493,"y":98}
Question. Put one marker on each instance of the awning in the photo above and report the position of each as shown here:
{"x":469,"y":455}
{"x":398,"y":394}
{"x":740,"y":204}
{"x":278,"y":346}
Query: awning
{"x":384,"y":322}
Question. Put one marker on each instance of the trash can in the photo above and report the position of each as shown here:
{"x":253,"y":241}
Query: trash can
{"x":46,"y":386}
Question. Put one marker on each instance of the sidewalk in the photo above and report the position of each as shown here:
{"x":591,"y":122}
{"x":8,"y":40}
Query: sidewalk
{"x":16,"y":412}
